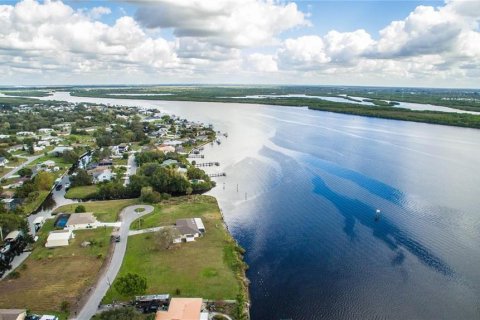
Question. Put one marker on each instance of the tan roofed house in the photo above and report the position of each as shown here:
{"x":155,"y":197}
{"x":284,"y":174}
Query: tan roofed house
{"x":83,"y":220}
{"x":182,"y":309}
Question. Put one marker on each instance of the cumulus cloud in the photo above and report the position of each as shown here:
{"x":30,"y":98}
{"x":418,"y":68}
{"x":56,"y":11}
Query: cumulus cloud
{"x":53,"y":36}
{"x":261,"y":62}
{"x":226,"y":40}
{"x":430,"y":42}
{"x":227,"y":23}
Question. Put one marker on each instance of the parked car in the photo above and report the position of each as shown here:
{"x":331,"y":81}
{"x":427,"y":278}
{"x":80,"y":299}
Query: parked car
{"x":58,"y":187}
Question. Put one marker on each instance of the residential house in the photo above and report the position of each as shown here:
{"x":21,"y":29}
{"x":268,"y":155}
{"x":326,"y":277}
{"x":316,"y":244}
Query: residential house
{"x":3,"y":161}
{"x":13,"y":314}
{"x":84,"y":220}
{"x":105,"y":163}
{"x":189,"y":229}
{"x":59,"y":238}
{"x":183,"y":309}
{"x":26,"y":133}
{"x":84,"y":160}
{"x":169,"y":162}
{"x":101,"y":174}
{"x":165,"y":149}
{"x":58,"y":151}
{"x":45,"y":130}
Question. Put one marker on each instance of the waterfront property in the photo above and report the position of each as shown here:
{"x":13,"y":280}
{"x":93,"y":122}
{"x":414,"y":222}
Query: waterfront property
{"x":210,"y":267}
{"x":188,"y":229}
{"x":183,"y":309}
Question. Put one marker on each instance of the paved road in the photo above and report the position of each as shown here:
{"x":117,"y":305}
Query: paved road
{"x":29,"y":160}
{"x":131,"y":168}
{"x":91,"y":306}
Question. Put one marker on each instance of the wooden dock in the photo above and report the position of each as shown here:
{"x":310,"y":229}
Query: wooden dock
{"x":207,"y":164}
{"x":199,"y":156}
{"x":220,"y":174}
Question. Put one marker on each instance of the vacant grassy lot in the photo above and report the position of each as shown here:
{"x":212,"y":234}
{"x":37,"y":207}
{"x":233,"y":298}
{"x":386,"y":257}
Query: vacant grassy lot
{"x":204,"y":268}
{"x":50,"y":276}
{"x":83,"y":192}
{"x":105,"y":211}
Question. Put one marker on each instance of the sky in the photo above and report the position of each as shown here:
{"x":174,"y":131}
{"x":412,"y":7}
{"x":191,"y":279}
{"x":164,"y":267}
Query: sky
{"x":378,"y":42}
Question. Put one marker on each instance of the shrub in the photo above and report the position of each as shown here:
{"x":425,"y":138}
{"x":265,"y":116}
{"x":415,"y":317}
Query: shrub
{"x":80,"y":208}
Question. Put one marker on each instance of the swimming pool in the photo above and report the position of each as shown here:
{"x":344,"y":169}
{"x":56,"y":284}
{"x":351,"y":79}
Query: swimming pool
{"x":61,"y":221}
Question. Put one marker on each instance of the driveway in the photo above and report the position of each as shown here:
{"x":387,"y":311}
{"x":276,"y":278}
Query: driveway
{"x":131,"y":168}
{"x":154,"y":229}
{"x":127,"y":216}
{"x":29,"y":160}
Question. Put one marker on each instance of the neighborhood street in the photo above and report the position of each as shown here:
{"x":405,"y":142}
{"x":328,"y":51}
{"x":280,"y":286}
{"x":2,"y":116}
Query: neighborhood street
{"x":128,"y":215}
{"x":131,"y":168}
{"x":16,"y":169}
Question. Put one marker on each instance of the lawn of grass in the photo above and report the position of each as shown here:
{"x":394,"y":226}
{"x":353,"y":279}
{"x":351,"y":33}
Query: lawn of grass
{"x":82,"y":192}
{"x":120,"y":162}
{"x":205,"y":268}
{"x":105,"y":211}
{"x":34,"y":205}
{"x":50,"y":276}
{"x":59,"y":161}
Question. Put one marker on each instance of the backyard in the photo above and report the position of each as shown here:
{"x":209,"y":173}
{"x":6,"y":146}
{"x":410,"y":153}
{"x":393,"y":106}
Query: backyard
{"x":81,"y":192}
{"x":205,"y":268}
{"x":105,"y":211}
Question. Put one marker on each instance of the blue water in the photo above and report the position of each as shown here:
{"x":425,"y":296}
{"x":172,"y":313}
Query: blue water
{"x":62,"y":220}
{"x":300,"y":196}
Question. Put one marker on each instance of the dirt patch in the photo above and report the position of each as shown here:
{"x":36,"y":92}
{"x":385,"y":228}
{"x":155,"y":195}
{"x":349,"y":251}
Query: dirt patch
{"x":44,"y":284}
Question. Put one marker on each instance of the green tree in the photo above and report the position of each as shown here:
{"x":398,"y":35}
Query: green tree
{"x":131,"y":284}
{"x":80,"y":208}
{"x":25,"y":172}
{"x":163,"y":239}
{"x":44,"y":181}
{"x":82,"y":178}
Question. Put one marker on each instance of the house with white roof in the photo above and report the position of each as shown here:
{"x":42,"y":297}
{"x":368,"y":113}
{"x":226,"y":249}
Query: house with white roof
{"x":59,"y":238}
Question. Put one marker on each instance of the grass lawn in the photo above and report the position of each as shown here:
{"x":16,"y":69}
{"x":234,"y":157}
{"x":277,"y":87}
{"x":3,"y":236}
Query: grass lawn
{"x":32,"y":206}
{"x":83,"y":192}
{"x":205,"y":268}
{"x":120,"y":162}
{"x":59,"y":161}
{"x":50,"y":276}
{"x":105,"y":211}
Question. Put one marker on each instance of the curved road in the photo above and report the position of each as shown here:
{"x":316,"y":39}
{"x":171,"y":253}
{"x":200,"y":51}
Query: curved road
{"x":128,"y":215}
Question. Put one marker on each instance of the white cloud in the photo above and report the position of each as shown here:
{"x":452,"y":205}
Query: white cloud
{"x":53,"y":36}
{"x":97,"y":12}
{"x":228,"y":23}
{"x":261,"y":62}
{"x":227,"y":40}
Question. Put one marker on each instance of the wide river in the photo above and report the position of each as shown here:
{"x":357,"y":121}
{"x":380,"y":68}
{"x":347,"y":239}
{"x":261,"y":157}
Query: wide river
{"x":301,"y":195}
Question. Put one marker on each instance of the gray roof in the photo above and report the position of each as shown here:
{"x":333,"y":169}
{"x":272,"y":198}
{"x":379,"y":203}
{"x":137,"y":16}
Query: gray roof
{"x":187,"y":226}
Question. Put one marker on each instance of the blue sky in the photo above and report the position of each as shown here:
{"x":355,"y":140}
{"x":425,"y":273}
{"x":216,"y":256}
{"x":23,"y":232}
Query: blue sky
{"x":414,"y":43}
